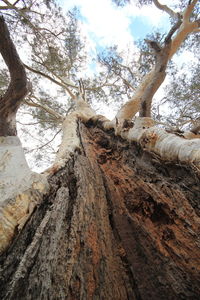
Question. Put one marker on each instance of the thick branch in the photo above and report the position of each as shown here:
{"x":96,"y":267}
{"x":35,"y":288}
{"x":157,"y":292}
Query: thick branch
{"x":4,"y":7}
{"x":155,"y":77}
{"x":188,"y":11}
{"x":165,"y":8}
{"x":162,"y":57}
{"x":17,"y":88}
{"x":151,"y":82}
{"x":183,"y":32}
{"x":196,"y":129}
{"x":155,"y":81}
{"x":186,"y":28}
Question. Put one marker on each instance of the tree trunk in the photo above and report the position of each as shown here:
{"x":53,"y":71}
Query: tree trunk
{"x":118,"y":223}
{"x":18,"y":87}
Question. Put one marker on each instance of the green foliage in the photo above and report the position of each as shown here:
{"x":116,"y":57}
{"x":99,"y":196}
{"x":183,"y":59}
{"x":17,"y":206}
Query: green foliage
{"x":182,"y":95}
{"x":4,"y":81}
{"x":121,"y":2}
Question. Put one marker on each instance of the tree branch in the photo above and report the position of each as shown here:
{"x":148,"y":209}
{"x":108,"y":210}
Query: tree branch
{"x":165,"y":8}
{"x":47,"y":143}
{"x":188,"y":11}
{"x":4,"y":7}
{"x":162,"y":58}
{"x":196,"y":128}
{"x":152,"y":81}
{"x":44,"y":107}
{"x":17,"y":88}
{"x":186,"y":28}
{"x":51,"y":79}
{"x":66,"y":84}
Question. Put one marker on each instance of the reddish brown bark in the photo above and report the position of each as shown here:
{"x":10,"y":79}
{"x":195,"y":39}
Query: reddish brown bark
{"x":17,"y":89}
{"x":118,"y":223}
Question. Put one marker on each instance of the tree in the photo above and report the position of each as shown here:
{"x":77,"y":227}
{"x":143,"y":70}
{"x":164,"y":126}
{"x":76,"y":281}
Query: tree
{"x":117,"y":215}
{"x":186,"y":89}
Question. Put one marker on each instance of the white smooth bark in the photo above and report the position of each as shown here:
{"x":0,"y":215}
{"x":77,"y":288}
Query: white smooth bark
{"x":168,"y":146}
{"x":20,"y":188}
{"x":130,"y":108}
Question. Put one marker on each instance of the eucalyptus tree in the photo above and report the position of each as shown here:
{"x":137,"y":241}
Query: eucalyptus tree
{"x":180,"y":112}
{"x":117,"y":214}
{"x":53,"y":54}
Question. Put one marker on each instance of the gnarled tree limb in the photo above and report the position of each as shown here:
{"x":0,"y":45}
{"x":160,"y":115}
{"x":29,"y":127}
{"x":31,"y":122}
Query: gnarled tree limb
{"x":17,"y":88}
{"x":152,"y":81}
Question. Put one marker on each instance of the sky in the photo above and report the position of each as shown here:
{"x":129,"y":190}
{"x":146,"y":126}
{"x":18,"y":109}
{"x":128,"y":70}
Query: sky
{"x":106,"y":24}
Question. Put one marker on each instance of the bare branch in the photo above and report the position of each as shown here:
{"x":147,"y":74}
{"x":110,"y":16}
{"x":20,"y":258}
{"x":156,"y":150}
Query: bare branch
{"x":165,"y":8}
{"x":188,"y":11}
{"x":196,"y":128}
{"x":82,"y":92}
{"x":186,"y":28}
{"x":173,"y":30}
{"x":7,"y":2}
{"x":47,"y":143}
{"x":155,"y":81}
{"x":151,"y":82}
{"x":16,"y":2}
{"x":4,"y":7}
{"x":183,"y":32}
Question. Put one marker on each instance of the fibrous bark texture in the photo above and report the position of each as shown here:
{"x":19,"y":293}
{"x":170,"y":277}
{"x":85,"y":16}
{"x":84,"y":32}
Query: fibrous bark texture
{"x":118,"y":223}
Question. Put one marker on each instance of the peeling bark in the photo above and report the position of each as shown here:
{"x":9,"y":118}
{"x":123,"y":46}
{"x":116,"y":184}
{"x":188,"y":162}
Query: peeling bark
{"x":118,"y":223}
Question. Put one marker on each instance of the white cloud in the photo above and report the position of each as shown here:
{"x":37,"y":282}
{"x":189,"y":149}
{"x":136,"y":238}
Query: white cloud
{"x":108,"y":24}
{"x":186,"y":57}
{"x":152,"y":15}
{"x":105,"y":23}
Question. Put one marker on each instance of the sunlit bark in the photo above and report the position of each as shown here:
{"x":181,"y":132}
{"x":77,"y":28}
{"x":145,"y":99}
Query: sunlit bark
{"x":152,"y":80}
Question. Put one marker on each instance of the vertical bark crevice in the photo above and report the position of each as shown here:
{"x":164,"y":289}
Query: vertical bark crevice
{"x":132,"y":284}
{"x":154,"y":208}
{"x":119,"y":224}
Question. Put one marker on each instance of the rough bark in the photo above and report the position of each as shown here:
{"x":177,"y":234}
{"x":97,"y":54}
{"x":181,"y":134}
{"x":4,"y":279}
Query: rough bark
{"x":118,"y":223}
{"x":17,"y":89}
